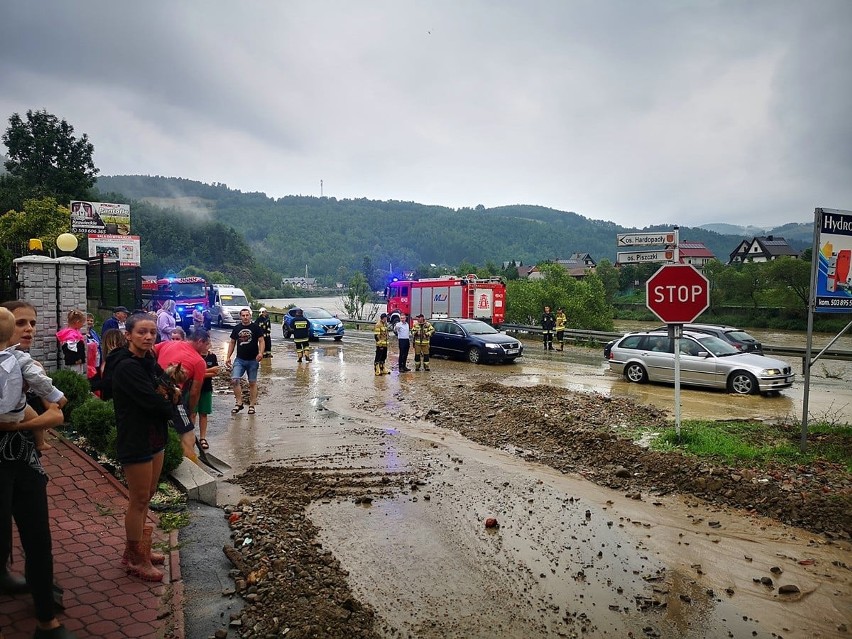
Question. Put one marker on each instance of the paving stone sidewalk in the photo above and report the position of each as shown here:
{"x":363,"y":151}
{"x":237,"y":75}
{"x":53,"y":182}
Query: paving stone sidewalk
{"x":101,"y":600}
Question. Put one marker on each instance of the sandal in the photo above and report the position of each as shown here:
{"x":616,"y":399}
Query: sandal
{"x":203,"y":443}
{"x":251,"y":410}
{"x":236,"y":409}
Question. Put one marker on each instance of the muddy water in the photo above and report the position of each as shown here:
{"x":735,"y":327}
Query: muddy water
{"x":568,"y":555}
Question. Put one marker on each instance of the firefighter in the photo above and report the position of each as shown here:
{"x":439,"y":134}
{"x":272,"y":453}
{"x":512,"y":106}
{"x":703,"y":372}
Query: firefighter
{"x":301,"y":335}
{"x":560,"y":328}
{"x":421,"y":332}
{"x":380,"y":333}
{"x":548,"y":321}
{"x":265,"y":324}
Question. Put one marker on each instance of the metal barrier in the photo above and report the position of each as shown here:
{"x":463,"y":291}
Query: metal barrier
{"x":601,"y":338}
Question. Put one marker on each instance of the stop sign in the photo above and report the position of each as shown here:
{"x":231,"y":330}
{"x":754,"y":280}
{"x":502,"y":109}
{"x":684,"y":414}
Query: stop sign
{"x":677,"y":293}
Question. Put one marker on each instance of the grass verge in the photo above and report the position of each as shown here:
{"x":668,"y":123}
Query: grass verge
{"x":739,"y":442}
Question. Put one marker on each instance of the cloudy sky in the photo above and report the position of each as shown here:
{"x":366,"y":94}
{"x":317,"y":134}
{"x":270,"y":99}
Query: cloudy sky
{"x":638,"y":112}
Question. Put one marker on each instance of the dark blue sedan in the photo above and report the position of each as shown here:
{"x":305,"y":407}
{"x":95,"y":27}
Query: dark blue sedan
{"x":473,"y":340}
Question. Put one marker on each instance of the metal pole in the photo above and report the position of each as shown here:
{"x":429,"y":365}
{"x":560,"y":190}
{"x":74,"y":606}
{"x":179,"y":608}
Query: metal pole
{"x":803,"y":443}
{"x":676,"y":330}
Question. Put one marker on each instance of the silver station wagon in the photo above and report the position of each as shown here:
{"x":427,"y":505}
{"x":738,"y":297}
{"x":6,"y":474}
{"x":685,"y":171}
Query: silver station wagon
{"x":704,"y":361}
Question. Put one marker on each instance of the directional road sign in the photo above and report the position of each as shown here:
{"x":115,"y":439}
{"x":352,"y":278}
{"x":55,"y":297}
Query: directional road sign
{"x":677,"y":293}
{"x":644,"y":257}
{"x":647,"y":239}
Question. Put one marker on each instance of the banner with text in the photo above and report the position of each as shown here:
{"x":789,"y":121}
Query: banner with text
{"x":834,"y":268}
{"x":100,"y":217}
{"x":123,"y":248}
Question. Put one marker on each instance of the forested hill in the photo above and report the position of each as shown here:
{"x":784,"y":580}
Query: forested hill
{"x":330,"y":236}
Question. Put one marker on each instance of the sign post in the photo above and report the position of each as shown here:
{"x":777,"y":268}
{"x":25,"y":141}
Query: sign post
{"x":677,"y":294}
{"x":667,"y":239}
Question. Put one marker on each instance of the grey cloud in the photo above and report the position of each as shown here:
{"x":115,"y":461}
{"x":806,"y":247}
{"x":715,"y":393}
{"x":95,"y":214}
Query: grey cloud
{"x":637,"y":112}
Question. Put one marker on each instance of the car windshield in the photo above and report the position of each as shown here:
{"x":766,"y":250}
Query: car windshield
{"x":717,"y":346}
{"x":316,"y":313}
{"x":234,"y":300}
{"x":188,"y":291}
{"x":479,"y":328}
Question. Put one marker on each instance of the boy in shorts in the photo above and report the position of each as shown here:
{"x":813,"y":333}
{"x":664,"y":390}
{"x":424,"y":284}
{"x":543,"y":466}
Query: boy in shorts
{"x":205,"y":402}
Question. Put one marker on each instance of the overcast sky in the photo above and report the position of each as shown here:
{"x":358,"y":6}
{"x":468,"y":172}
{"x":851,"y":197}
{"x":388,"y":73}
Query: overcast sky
{"x":639,"y":112}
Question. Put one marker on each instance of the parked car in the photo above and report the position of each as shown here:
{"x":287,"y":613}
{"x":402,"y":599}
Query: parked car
{"x":322,"y":323}
{"x":473,"y":340}
{"x":736,"y":337}
{"x":705,"y":360}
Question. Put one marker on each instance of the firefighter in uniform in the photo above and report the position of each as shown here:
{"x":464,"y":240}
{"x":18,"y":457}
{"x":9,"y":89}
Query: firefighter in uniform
{"x":421,"y":332}
{"x":265,"y":324}
{"x":301,"y":335}
{"x":548,"y":321}
{"x":560,"y":328}
{"x":380,"y":333}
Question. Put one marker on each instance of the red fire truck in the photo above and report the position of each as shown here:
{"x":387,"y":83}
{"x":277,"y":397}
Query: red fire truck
{"x":449,"y":296}
{"x":188,"y":293}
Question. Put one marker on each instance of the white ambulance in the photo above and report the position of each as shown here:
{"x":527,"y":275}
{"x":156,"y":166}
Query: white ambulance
{"x":226,"y":303}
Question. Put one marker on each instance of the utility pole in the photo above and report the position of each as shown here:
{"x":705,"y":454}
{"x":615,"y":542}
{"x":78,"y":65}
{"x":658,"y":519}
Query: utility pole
{"x":320,"y":188}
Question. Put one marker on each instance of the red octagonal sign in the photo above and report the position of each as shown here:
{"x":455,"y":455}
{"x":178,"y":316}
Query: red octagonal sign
{"x":677,"y":293}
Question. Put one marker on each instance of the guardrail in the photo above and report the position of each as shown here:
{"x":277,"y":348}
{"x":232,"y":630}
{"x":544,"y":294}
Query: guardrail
{"x":603,"y":337}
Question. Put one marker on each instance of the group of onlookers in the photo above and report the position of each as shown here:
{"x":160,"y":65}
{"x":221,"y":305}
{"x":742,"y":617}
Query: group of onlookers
{"x":153,"y":382}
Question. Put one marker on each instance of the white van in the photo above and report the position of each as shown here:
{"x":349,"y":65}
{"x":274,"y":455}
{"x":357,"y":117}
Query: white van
{"x":226,"y":303}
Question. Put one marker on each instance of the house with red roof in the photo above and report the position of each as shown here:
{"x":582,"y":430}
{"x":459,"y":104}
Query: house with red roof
{"x":695,"y":253}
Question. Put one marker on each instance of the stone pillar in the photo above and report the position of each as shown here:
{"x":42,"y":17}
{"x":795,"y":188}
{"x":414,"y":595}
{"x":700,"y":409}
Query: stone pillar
{"x":53,"y":287}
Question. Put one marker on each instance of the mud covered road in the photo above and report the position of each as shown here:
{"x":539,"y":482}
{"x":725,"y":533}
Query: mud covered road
{"x":359,"y":508}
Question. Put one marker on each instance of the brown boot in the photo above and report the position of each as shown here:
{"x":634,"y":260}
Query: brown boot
{"x":139,"y":563}
{"x":157,"y":558}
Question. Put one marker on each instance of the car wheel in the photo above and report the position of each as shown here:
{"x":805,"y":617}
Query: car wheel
{"x":742,"y":383}
{"x":338,"y":338}
{"x":636,"y":373}
{"x":474,"y":356}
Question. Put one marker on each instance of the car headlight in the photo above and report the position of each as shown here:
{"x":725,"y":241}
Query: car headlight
{"x":493,"y":346}
{"x":770,"y":372}
{"x":316,"y":327}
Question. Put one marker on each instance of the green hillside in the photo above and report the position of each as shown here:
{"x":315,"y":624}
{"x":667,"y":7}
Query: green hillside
{"x":331,"y":237}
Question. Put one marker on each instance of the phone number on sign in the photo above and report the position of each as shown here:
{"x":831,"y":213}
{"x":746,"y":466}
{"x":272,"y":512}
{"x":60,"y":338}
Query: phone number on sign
{"x":836,"y":302}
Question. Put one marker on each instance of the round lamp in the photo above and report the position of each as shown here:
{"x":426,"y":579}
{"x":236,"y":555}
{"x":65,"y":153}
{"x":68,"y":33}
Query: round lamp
{"x":67,"y":242}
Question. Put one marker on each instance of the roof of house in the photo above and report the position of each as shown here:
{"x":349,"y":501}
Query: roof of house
{"x":776,"y":245}
{"x":694,"y":249}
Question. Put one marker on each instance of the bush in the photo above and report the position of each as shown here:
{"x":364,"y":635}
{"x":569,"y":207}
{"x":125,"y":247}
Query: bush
{"x":75,"y":386}
{"x":95,"y":420}
{"x":174,"y":452}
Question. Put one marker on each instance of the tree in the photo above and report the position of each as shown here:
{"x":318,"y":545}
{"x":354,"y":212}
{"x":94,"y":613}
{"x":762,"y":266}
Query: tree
{"x":46,"y":157}
{"x":357,"y":297}
{"x":791,"y":276}
{"x":40,"y":218}
{"x":609,"y":276}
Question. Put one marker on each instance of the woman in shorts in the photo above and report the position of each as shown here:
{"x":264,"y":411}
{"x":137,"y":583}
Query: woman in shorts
{"x":143,"y":407}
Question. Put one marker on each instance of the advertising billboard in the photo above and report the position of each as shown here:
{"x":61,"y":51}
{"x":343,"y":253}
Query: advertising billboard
{"x":834,"y":273}
{"x":122,"y":248}
{"x":100,"y":217}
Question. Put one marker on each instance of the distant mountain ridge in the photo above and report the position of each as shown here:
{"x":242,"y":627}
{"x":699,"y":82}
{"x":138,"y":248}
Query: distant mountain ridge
{"x":327,"y":235}
{"x":794,"y":233}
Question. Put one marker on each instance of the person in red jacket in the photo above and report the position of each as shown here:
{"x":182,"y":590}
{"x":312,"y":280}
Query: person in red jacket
{"x":188,"y":355}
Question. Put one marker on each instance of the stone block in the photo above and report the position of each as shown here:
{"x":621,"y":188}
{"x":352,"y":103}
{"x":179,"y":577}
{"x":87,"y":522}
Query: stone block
{"x":195,"y":482}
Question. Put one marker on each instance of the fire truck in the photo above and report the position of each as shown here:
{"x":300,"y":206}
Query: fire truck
{"x":450,"y":296}
{"x":188,"y":293}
